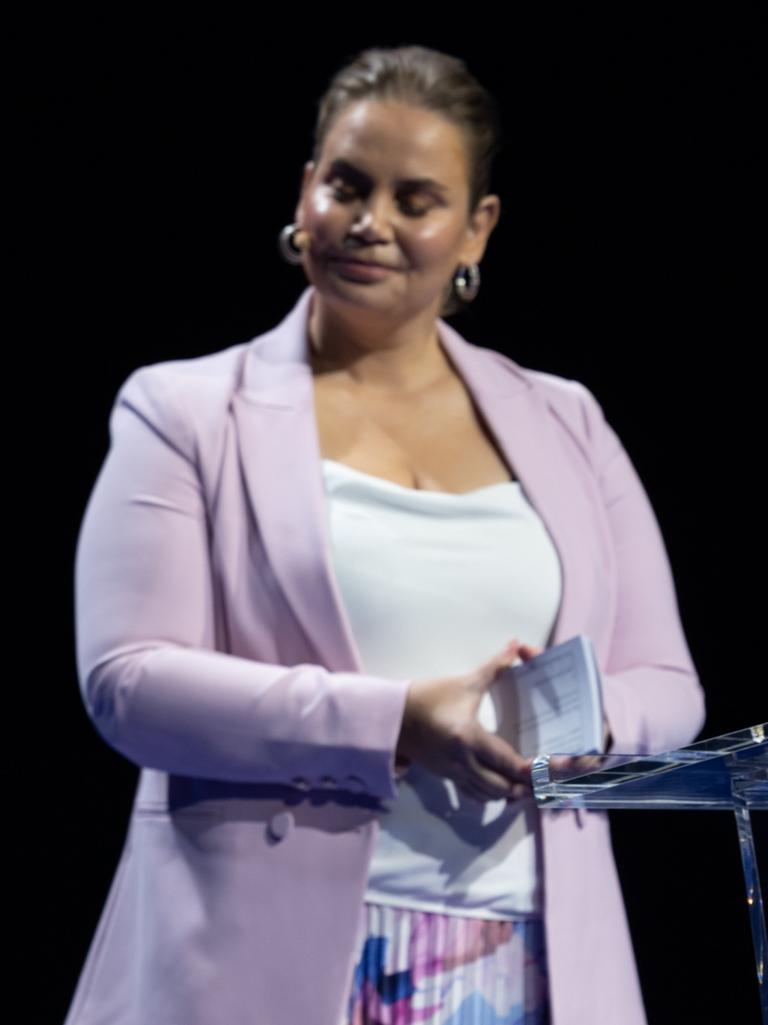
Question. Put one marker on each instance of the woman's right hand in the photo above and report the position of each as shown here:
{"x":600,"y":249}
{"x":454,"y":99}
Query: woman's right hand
{"x":440,"y":730}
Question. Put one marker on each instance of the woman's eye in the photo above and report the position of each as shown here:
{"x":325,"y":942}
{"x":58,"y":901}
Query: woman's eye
{"x":414,"y":209}
{"x":342,"y":190}
{"x":409,"y":203}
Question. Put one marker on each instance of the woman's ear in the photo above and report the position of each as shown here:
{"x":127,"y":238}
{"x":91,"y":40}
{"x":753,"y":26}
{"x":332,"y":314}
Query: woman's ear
{"x":481,"y":223}
{"x":309,"y":168}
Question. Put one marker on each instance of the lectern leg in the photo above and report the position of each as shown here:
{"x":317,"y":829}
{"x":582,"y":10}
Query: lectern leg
{"x":754,"y":900}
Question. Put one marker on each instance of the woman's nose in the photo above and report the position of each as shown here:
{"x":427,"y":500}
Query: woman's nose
{"x":373,"y":220}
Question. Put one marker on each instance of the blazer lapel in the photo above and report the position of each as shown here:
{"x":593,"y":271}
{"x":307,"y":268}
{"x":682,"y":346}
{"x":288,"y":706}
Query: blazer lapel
{"x":281,"y":464}
{"x":524,"y":426}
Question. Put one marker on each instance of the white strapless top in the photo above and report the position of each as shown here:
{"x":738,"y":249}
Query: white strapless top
{"x":433,"y":584}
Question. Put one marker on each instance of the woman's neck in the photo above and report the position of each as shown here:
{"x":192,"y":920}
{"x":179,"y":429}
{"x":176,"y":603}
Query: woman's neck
{"x":375,"y":352}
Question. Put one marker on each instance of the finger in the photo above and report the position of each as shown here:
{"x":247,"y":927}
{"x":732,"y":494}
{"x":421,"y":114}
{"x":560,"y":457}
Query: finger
{"x":495,"y":784}
{"x":518,"y":791}
{"x":586,"y":763}
{"x":478,"y":786}
{"x":465,"y":786}
{"x":528,"y":651}
{"x":469,"y":788}
{"x":488,"y":671}
{"x":574,"y":765}
{"x":498,"y":757}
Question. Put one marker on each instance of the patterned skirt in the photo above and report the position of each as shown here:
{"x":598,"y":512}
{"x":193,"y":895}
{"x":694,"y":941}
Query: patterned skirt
{"x":436,"y":969}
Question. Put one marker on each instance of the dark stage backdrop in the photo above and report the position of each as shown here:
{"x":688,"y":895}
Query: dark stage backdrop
{"x":160,"y":161}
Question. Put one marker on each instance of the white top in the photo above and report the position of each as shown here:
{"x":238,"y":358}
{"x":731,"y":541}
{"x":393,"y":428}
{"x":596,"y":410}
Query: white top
{"x":434,"y":584}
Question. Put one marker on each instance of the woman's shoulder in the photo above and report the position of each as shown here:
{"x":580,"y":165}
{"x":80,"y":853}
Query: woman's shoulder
{"x":221,"y":369}
{"x":183,"y":400}
{"x":206,"y":381}
{"x":567,"y":398}
{"x":549,"y":386}
{"x":568,"y":403}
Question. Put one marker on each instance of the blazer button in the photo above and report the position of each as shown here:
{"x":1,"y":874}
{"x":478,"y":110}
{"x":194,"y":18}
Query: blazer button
{"x":280,"y":825}
{"x":301,"y":782}
{"x":354,"y":783}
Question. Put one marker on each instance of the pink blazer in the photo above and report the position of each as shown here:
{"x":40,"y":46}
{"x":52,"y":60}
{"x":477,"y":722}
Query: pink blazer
{"x":214,"y":651}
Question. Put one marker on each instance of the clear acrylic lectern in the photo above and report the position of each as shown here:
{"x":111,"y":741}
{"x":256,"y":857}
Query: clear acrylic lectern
{"x":725,"y":772}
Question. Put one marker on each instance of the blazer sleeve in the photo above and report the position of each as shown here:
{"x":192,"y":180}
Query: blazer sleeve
{"x":653,"y":699}
{"x":151,"y":680}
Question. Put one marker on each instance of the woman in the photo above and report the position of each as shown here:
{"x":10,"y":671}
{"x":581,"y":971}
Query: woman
{"x":302,"y":566}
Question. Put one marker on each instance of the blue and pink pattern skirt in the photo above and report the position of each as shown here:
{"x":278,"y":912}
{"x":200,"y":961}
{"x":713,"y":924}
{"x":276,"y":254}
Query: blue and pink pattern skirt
{"x":436,"y":969}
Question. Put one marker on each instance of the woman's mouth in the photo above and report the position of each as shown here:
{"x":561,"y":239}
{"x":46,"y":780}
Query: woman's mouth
{"x":361,"y":270}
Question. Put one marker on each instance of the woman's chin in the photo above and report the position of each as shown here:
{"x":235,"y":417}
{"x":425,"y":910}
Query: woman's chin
{"x":364,"y":295}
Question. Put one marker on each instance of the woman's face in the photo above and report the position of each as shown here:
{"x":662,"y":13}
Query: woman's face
{"x":390,"y":189}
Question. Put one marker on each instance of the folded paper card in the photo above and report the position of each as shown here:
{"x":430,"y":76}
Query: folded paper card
{"x":551,"y":704}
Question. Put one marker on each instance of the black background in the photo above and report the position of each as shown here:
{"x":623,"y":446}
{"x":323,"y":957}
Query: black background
{"x":160,"y":159}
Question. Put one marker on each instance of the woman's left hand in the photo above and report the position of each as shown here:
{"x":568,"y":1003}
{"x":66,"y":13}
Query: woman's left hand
{"x":577,"y":763}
